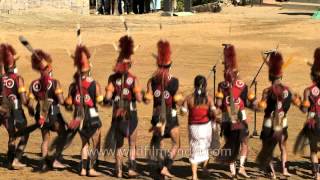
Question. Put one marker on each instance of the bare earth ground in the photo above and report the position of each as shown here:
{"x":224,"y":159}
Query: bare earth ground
{"x":196,"y":42}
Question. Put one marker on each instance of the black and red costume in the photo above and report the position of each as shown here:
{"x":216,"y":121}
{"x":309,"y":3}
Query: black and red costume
{"x":234,"y":125}
{"x":124,"y":101}
{"x":168,"y":90}
{"x":311,"y":105}
{"x":276,"y":101}
{"x":92,"y":120}
{"x":123,"y":91}
{"x":163,"y":90}
{"x":84,"y":96}
{"x":47,"y":89}
{"x":13,"y":97}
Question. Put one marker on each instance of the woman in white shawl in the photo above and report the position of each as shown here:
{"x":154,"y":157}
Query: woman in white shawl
{"x":201,"y":111}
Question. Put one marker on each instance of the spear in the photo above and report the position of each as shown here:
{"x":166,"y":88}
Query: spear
{"x":81,"y":113}
{"x":45,"y":105}
{"x":265,"y":58}
{"x":254,"y":82}
{"x":35,"y":126}
{"x":110,"y":138}
{"x":67,"y":138}
{"x":125,"y":24}
{"x":214,"y":71}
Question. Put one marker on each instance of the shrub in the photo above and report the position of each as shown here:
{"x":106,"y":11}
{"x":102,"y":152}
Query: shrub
{"x":180,"y":5}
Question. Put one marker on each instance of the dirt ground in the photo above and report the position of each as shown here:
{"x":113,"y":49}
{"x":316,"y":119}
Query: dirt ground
{"x":196,"y":41}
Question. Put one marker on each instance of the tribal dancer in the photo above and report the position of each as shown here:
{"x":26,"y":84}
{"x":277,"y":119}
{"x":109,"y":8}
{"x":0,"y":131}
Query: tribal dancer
{"x":123,"y":90}
{"x":310,"y":105}
{"x":275,"y":101}
{"x":162,"y":87}
{"x":201,"y":112}
{"x":13,"y":97}
{"x":45,"y":96}
{"x":232,"y":98}
{"x":84,"y":95}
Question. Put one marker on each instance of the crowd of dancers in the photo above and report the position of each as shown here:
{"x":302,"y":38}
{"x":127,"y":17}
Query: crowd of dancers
{"x":206,"y":112}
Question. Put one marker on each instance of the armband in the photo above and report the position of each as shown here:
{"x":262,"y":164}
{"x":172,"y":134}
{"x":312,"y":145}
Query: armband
{"x":178,"y":97}
{"x":136,"y":89}
{"x":296,"y":101}
{"x":68,"y":100}
{"x":262,"y":104}
{"x":99,"y":99}
{"x":251,"y":96}
{"x":219,"y":95}
{"x":110,"y":88}
{"x":58,"y":91}
{"x":306,"y":104}
{"x":21,"y":90}
{"x":31,"y":96}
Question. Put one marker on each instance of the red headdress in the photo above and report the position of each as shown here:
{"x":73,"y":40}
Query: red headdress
{"x":81,"y":58}
{"x":126,"y":46}
{"x":7,"y":53}
{"x":315,"y":69}
{"x":164,"y":54}
{"x":163,"y":61}
{"x":230,"y":62}
{"x":275,"y":64}
{"x":41,"y":61}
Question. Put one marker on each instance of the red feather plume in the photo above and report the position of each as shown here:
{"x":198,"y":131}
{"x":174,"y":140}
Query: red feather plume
{"x":315,"y":69}
{"x":162,"y":74}
{"x":7,"y":53}
{"x":230,"y":61}
{"x":164,"y":53}
{"x":126,"y":46}
{"x":82,"y":63}
{"x":40,"y":61}
{"x":275,"y":64}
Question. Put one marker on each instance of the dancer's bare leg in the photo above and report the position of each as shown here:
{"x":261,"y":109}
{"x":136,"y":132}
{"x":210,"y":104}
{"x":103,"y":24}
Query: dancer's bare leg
{"x":283,"y":149}
{"x":175,"y":138}
{"x":94,"y":154}
{"x":273,"y":172}
{"x":243,"y":156}
{"x":233,"y":169}
{"x":194,"y":168}
{"x":44,"y":147}
{"x":132,"y":154}
{"x":84,"y":156}
{"x":60,"y":129}
{"x":16,"y":164}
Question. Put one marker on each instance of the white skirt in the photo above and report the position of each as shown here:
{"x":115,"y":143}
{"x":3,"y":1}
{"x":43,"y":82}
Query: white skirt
{"x":199,"y":140}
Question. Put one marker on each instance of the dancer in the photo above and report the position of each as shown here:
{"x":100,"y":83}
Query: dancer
{"x":45,"y":96}
{"x":275,"y":101}
{"x":84,"y":95}
{"x":311,"y":130}
{"x":232,"y":98}
{"x":13,"y":98}
{"x":201,"y":112}
{"x":124,"y":91}
{"x":162,"y":87}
